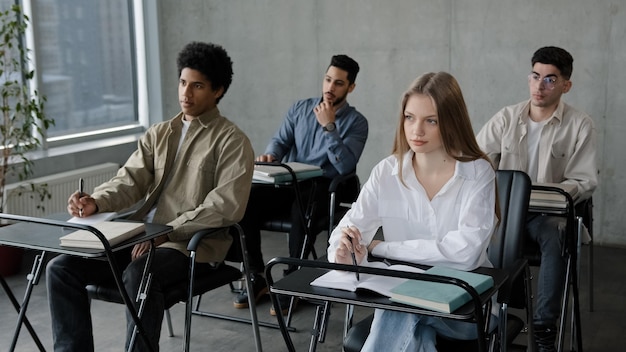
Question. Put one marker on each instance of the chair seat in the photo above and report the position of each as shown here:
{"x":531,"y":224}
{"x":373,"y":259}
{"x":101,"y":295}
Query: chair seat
{"x":283,"y":224}
{"x":224,"y":274}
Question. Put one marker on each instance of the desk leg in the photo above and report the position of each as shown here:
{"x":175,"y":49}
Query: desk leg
{"x":17,"y":307}
{"x":281,"y":320}
{"x":319,"y":325}
{"x":142,"y":294}
{"x":33,"y":279}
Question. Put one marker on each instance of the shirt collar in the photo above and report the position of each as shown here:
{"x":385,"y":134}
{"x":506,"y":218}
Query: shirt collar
{"x":466,"y":170}
{"x":557,"y":114}
{"x":342,"y":109}
{"x":204,"y":119}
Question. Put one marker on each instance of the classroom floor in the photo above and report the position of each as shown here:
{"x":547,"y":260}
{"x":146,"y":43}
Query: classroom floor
{"x":603,"y":329}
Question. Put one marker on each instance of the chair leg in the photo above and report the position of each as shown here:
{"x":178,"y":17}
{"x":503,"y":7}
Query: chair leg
{"x":347,"y":323}
{"x":325,"y":319}
{"x":168,"y":319}
{"x":503,"y":326}
{"x":529,"y":311}
{"x":565,"y":303}
{"x":590,"y":274}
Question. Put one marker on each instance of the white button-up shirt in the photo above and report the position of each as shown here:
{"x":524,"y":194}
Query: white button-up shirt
{"x":453,"y":229}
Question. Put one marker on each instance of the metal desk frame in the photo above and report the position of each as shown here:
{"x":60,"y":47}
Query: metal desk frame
{"x":298,"y":284}
{"x":35,"y":233}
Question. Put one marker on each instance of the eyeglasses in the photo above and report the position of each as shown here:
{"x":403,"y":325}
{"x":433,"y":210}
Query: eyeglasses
{"x":548,"y":82}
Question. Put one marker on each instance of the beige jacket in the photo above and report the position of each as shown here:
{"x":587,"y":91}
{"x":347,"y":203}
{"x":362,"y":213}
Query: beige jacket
{"x":567,"y":146}
{"x":209,"y":183}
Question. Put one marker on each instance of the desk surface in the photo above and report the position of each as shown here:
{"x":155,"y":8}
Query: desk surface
{"x":298,"y":284}
{"x":46,"y":237}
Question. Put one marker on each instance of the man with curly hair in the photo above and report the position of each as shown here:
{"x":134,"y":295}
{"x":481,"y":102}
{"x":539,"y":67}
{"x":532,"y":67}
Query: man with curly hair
{"x":191,"y":172}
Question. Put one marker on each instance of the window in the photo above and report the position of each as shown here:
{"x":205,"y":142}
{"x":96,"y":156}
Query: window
{"x":86,"y":66}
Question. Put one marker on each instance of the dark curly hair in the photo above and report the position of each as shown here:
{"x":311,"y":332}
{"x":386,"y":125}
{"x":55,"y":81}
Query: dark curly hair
{"x":209,"y":59}
{"x":559,"y":58}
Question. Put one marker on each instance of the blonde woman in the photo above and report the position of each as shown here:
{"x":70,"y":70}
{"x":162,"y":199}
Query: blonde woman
{"x":435,"y":198}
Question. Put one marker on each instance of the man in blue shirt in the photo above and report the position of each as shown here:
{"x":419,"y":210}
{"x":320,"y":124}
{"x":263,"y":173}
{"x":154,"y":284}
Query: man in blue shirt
{"x":325,"y":131}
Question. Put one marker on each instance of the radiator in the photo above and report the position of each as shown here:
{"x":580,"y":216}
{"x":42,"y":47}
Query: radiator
{"x":21,"y":200}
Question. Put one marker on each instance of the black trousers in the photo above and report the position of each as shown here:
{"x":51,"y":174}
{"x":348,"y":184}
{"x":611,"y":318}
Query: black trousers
{"x":270,"y":202}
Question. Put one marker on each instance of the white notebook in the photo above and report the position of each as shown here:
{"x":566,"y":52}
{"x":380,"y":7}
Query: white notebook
{"x":114,"y":231}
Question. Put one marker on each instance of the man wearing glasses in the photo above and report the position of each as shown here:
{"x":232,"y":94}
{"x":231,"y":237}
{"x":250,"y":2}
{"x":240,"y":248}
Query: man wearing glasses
{"x":553,"y":143}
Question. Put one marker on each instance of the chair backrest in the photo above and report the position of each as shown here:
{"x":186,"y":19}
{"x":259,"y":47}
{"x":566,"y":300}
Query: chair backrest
{"x":513,"y":195}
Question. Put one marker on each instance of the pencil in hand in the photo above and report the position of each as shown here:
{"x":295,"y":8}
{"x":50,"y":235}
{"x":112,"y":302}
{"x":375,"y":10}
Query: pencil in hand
{"x":354,"y":259}
{"x":81,"y":189}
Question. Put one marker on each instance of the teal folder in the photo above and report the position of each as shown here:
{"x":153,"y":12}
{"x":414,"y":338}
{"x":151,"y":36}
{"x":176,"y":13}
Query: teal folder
{"x":437,"y":296}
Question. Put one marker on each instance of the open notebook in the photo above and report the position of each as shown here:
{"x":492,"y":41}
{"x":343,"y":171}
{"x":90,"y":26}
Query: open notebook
{"x":346,"y":280}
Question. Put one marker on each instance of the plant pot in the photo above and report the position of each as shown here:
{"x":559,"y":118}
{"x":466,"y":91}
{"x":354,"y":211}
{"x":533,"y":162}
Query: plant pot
{"x":10,"y":260}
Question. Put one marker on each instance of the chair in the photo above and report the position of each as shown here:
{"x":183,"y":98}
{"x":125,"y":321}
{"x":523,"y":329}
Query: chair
{"x":341,"y":190}
{"x":224,"y":274}
{"x":505,"y":251}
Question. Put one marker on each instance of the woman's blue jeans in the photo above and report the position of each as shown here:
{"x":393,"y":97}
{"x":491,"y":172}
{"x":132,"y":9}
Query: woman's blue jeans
{"x":398,"y":331}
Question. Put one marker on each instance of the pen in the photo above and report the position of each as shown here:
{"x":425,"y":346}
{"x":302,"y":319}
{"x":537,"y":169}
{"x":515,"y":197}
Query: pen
{"x":354,"y":259}
{"x":81,"y":185}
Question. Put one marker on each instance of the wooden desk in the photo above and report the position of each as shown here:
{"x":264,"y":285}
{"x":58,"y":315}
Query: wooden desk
{"x":43,"y":235}
{"x":298,"y":284}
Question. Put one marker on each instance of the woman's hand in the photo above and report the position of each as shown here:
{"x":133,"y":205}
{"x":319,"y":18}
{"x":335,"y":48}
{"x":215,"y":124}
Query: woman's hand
{"x":350,"y":243}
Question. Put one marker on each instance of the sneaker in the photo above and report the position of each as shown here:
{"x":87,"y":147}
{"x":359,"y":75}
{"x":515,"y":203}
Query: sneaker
{"x":284,"y":301}
{"x":545,"y":336}
{"x":259,"y":285}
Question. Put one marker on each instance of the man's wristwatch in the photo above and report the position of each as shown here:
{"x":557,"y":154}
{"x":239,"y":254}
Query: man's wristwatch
{"x":329,"y":127}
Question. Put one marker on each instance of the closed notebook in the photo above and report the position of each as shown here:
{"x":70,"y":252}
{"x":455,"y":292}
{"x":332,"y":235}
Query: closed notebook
{"x":437,"y":296}
{"x":278,"y":174}
{"x":550,"y":199}
{"x":114,"y":231}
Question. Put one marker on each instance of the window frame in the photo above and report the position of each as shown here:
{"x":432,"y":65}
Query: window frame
{"x":146,"y":66}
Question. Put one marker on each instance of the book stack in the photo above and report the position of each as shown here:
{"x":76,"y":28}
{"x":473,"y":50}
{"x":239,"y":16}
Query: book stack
{"x":278,"y":174}
{"x":550,"y":199}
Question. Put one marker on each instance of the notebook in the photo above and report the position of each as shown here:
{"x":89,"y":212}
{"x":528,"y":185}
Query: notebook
{"x":114,"y":231}
{"x":279,"y":174}
{"x":439,"y":296}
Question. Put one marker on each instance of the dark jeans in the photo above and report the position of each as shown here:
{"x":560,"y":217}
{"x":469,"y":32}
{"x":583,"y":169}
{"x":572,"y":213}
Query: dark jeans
{"x":267,"y":201}
{"x":67,"y":276}
{"x":549,"y":233}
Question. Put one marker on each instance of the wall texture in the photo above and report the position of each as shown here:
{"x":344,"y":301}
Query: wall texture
{"x":281,"y":49}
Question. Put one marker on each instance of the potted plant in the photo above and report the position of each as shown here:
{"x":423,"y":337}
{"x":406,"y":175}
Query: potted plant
{"x":24,"y":123}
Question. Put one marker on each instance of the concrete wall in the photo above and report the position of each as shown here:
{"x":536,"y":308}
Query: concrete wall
{"x":281,"y":49}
